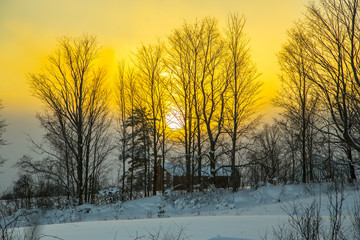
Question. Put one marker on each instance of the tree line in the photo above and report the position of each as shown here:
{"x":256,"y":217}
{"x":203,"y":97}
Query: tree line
{"x":205,"y":81}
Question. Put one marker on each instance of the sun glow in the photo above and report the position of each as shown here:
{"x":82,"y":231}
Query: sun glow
{"x":29,"y":31}
{"x":173,"y":121}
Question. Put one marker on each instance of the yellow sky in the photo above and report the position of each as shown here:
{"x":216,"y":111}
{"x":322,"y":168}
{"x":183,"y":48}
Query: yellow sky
{"x":29,"y":29}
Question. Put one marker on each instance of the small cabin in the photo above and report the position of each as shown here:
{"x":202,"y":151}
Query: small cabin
{"x":175,"y":176}
{"x":159,"y":183}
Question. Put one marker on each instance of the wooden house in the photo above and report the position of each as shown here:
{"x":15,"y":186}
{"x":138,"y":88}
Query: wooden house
{"x":175,"y":176}
{"x":159,"y":183}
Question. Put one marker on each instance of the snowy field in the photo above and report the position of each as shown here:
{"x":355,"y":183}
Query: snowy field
{"x":209,"y":227}
{"x":220,"y":215}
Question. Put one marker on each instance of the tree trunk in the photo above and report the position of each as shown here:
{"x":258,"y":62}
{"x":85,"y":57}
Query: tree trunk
{"x":351,"y":164}
{"x":163,"y":164}
{"x":234,"y":175}
{"x":303,"y":151}
{"x":80,"y":173}
{"x":212,"y":163}
{"x":155,"y":170}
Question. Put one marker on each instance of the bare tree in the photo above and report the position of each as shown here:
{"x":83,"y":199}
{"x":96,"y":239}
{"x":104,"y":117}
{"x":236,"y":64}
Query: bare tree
{"x":132,"y":122}
{"x":243,"y":90}
{"x":2,"y":128}
{"x":76,"y":118}
{"x":291,"y":145}
{"x":213,"y":90}
{"x":150,"y":67}
{"x":125,"y":100}
{"x":9,"y":222}
{"x":24,"y":190}
{"x":185,"y":71}
{"x":121,"y":104}
{"x":2,"y":131}
{"x":266,"y":155}
{"x":298,"y":99}
{"x":164,"y":129}
{"x":134,"y":104}
{"x":333,"y":28}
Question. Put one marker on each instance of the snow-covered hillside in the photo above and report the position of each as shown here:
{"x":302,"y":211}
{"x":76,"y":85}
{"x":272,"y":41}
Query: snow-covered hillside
{"x":219,"y":215}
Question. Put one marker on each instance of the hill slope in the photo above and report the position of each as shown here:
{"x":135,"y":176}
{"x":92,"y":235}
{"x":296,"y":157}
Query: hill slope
{"x":219,"y":215}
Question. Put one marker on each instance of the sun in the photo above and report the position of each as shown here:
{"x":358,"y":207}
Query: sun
{"x":173,"y":120}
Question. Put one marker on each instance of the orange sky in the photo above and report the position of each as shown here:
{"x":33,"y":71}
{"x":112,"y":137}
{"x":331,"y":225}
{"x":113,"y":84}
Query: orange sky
{"x":29,"y":29}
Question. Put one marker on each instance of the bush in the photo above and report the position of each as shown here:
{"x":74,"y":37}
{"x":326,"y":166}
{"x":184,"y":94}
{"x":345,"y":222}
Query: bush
{"x":305,"y":221}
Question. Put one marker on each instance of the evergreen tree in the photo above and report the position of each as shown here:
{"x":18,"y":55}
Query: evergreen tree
{"x":139,"y":151}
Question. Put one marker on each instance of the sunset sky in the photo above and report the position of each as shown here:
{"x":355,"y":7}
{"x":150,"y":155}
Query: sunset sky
{"x":29,"y":30}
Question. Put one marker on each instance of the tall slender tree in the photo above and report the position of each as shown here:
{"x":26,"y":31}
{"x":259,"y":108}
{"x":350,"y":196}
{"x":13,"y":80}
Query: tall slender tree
{"x":2,"y":131}
{"x":333,"y":28}
{"x":121,"y":101}
{"x":76,"y":119}
{"x":243,"y":91}
{"x":298,"y":99}
{"x":183,"y":65}
{"x":213,"y":90}
{"x":139,"y":163}
{"x":150,"y":67}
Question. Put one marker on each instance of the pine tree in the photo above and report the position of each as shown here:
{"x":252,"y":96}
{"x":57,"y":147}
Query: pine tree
{"x":139,"y":151}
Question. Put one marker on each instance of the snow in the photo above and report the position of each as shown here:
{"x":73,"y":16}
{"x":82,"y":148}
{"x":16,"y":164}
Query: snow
{"x":220,"y":215}
{"x":209,"y":227}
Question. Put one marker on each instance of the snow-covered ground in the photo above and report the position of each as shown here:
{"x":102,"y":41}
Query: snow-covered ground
{"x":209,"y":227}
{"x":219,"y":215}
